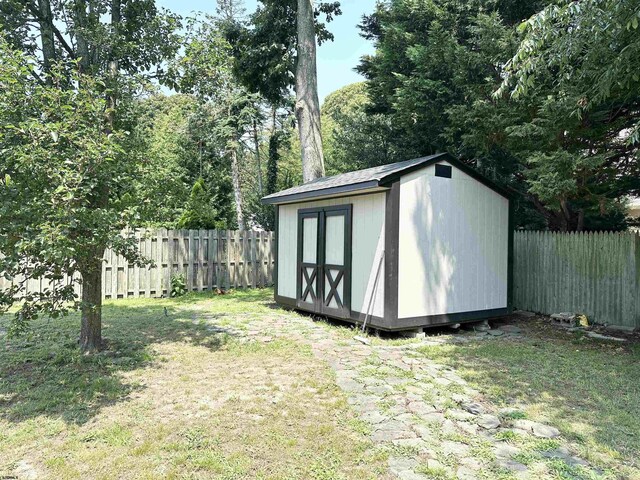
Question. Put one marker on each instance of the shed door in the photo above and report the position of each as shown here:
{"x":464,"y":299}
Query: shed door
{"x":308,"y":261}
{"x":324,"y":259}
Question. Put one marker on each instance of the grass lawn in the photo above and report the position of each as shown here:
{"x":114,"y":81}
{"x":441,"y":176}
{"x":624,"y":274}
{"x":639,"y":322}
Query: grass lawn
{"x":171,"y":399}
{"x":590,"y":390}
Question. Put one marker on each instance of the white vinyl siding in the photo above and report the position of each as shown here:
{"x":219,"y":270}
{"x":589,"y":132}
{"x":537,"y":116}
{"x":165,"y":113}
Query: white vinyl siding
{"x":367,"y":247}
{"x":453,"y":245}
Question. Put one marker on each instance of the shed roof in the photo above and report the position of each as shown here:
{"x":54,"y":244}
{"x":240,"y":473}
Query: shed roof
{"x":369,"y":178}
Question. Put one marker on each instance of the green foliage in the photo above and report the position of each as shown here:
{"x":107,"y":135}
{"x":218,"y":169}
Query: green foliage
{"x":564,"y":142}
{"x":578,"y":65}
{"x":178,"y":285}
{"x":265,"y":50}
{"x":83,"y":37}
{"x":200,"y":213}
{"x":178,"y":136}
{"x":352,"y":138}
{"x":169,"y":165}
{"x":67,"y":189}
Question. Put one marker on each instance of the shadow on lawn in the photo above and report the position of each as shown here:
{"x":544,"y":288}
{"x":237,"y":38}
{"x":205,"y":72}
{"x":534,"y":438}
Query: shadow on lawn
{"x":45,"y":374}
{"x":588,"y":389}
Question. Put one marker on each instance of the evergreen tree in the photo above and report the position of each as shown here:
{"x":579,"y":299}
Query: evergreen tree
{"x":200,"y":213}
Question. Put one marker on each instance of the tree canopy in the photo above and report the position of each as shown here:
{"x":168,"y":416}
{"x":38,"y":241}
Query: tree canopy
{"x":564,"y":142}
{"x":67,"y":187}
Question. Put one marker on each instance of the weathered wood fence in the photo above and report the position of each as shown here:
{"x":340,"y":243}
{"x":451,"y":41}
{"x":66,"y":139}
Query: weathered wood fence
{"x":207,"y":258}
{"x":597,"y":274}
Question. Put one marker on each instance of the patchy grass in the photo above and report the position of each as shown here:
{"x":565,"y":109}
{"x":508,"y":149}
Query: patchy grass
{"x":589,"y":390}
{"x":170,"y":398}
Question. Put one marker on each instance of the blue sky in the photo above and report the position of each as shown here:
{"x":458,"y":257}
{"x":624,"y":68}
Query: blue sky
{"x":336,"y":59}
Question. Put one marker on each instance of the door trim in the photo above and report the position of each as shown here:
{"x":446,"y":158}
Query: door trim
{"x":301,"y":266}
{"x":320,"y":305}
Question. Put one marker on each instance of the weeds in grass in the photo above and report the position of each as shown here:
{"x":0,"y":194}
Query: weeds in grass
{"x":173,"y":398}
{"x":507,"y":436}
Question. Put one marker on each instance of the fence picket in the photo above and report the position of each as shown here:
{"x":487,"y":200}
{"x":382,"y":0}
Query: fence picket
{"x":210,"y":259}
{"x":597,"y":274}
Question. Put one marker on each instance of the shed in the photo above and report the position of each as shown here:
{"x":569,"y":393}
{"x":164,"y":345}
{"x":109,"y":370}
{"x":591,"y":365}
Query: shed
{"x":408,"y":245}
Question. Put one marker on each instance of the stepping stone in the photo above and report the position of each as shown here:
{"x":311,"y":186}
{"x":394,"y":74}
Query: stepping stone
{"x":512,"y":465}
{"x":420,"y":408}
{"x":563,"y":454}
{"x":379,"y":389}
{"x":411,"y":475}
{"x":435,"y":417}
{"x":374,"y":417}
{"x":496,"y":332}
{"x":449,"y":427}
{"x":545,"y":431}
{"x":391,"y":430}
{"x":398,"y":465}
{"x":455,"y":448}
{"x":471,"y":463}
{"x":506,"y":451}
{"x":465,"y":473}
{"x":468,"y":428}
{"x":473,"y":408}
{"x":488,"y":422}
{"x":538,"y":429}
{"x":459,"y":415}
{"x":403,"y":467}
{"x":442,"y":381}
{"x":423,"y":432}
{"x":349,"y":385}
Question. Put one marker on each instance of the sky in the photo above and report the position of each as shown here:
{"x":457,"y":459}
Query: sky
{"x":336,"y":60}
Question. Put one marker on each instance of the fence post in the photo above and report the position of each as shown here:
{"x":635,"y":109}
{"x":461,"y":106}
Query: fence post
{"x":247,"y":262}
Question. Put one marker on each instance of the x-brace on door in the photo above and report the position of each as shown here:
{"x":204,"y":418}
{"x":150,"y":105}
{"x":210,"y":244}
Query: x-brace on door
{"x":324,"y":260}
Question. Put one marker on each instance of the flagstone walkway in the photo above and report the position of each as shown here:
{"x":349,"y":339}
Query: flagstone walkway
{"x":428,"y":419}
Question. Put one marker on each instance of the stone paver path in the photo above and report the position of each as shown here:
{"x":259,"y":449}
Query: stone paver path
{"x":428,"y":419}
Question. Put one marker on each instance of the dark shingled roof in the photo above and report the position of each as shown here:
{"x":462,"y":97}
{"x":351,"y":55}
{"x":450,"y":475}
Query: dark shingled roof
{"x":352,"y":181}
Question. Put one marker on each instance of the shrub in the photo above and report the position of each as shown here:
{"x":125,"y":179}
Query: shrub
{"x":178,"y":285}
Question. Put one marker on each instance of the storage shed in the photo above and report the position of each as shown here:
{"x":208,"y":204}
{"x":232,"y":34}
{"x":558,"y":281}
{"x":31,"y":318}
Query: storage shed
{"x":413,"y":244}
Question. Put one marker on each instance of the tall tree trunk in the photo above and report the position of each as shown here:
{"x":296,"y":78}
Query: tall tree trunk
{"x":274,"y":156}
{"x":45,"y":20}
{"x":237,"y":194}
{"x":259,"y":166}
{"x":307,"y":103}
{"x":91,"y":308}
{"x":82,"y":45}
{"x":113,"y":62}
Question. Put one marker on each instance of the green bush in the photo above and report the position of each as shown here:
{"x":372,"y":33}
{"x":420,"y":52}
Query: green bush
{"x":178,"y":285}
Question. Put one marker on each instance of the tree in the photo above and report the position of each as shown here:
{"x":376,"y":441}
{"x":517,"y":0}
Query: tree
{"x":204,"y":69}
{"x":277,"y":54}
{"x":578,"y":63}
{"x":199,"y":214}
{"x":66,"y":193}
{"x":352,"y":138}
{"x":116,"y":46}
{"x":170,"y":160}
{"x":307,"y":103}
{"x":436,"y":68}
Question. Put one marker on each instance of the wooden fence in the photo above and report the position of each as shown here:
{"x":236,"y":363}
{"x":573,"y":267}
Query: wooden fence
{"x":207,"y":258}
{"x":597,"y":274}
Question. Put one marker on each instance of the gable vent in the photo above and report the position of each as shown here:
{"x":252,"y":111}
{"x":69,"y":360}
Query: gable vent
{"x":443,"y":171}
